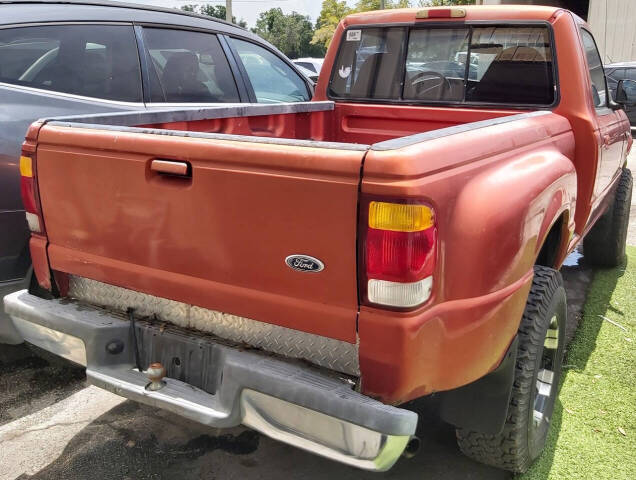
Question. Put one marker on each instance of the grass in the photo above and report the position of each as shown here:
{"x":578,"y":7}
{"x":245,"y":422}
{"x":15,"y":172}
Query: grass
{"x":593,"y":433}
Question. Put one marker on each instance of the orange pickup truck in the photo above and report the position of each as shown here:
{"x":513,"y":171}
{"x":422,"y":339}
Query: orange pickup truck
{"x":305,"y":269}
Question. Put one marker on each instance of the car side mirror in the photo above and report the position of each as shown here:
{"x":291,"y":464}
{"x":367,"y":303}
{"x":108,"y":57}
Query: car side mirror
{"x":626,"y":93}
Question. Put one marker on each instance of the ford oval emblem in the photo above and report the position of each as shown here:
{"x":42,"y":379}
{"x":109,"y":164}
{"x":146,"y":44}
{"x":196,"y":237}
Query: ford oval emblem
{"x":304,"y":263}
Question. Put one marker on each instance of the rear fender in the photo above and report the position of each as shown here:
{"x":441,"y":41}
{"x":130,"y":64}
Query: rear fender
{"x":504,"y":214}
{"x":495,"y":195}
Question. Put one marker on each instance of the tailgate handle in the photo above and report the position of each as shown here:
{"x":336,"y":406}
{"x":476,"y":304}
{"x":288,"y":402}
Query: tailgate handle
{"x":171,"y":167}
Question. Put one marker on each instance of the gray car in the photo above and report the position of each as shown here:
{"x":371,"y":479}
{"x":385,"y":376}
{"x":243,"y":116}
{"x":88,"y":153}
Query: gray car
{"x":616,"y":72}
{"x":64,"y":58}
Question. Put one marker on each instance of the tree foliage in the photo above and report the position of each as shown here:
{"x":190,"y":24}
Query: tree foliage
{"x":294,"y":34}
{"x":330,"y":15}
{"x":369,"y":5}
{"x":291,"y":33}
{"x":441,"y":3}
{"x":216,"y":11}
{"x":334,"y":10}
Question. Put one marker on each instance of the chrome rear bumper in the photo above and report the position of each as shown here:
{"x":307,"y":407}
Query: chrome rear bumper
{"x":287,"y":401}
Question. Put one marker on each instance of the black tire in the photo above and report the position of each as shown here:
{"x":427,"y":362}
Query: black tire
{"x":522,"y":438}
{"x":604,"y":244}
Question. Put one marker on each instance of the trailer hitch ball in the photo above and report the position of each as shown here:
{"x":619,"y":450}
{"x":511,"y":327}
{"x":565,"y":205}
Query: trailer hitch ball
{"x":155,"y":373}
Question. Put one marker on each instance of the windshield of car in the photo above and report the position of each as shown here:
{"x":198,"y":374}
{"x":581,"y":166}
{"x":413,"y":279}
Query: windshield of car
{"x":464,"y":64}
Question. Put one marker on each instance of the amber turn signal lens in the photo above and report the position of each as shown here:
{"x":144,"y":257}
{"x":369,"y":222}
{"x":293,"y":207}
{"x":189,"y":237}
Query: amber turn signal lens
{"x":26,"y":168}
{"x":400,"y":217}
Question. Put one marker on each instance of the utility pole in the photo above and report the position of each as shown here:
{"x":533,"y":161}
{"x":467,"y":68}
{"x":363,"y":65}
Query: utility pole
{"x":228,"y":10}
{"x":381,"y":4}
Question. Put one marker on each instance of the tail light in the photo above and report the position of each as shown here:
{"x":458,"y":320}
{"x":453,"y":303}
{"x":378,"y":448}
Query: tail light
{"x":29,"y":199}
{"x":399,"y":253}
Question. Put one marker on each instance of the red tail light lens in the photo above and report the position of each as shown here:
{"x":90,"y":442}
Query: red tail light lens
{"x":27,"y":190}
{"x":400,"y":256}
{"x":400,"y":247}
{"x":28,"y":194}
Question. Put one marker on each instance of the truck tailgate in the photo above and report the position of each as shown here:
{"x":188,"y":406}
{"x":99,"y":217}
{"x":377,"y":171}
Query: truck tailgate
{"x":217,"y":239}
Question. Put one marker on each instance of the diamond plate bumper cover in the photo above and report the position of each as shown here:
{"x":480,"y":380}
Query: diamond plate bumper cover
{"x":323,"y":351}
{"x":287,"y":401}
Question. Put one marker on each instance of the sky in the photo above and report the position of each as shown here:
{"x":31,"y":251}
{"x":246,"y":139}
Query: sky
{"x":250,"y":9}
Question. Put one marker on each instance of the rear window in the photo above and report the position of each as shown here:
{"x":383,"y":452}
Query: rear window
{"x":465,"y":64}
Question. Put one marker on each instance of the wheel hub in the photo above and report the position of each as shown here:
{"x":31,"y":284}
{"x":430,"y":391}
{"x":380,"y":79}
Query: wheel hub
{"x":545,"y":377}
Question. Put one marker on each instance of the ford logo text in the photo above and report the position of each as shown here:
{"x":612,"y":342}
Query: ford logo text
{"x":304,"y":263}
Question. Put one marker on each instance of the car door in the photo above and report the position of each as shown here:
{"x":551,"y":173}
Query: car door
{"x":610,"y":129}
{"x":53,"y":70}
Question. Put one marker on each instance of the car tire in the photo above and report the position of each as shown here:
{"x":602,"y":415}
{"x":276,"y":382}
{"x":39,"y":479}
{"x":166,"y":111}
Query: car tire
{"x":539,"y":357}
{"x":604,"y":244}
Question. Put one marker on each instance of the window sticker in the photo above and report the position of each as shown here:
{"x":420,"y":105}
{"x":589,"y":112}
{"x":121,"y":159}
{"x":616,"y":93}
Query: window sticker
{"x":344,"y":72}
{"x":354,"y":35}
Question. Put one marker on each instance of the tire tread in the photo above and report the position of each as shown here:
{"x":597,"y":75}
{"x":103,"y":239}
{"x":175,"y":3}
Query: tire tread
{"x":604,"y":245}
{"x":509,"y":449}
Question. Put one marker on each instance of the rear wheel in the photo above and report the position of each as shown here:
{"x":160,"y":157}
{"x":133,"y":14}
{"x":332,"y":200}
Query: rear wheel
{"x":604,"y":245}
{"x":536,"y":382}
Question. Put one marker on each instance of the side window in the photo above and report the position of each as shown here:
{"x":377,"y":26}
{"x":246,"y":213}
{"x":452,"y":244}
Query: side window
{"x":307,"y":65}
{"x":188,"y":67}
{"x":631,"y":74}
{"x":272,"y":79}
{"x":90,"y":60}
{"x":617,"y":74}
{"x":595,"y":66}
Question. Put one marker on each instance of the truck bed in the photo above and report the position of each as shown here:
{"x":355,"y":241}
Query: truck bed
{"x":206,"y":249}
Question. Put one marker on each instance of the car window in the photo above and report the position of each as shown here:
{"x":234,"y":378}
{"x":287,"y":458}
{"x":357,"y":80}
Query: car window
{"x":630,"y":88}
{"x":617,"y":74}
{"x":595,"y":67}
{"x":272,"y":79}
{"x":494,"y":64}
{"x":631,"y":74}
{"x":307,"y":65}
{"x":89,"y":60}
{"x":188,"y":67}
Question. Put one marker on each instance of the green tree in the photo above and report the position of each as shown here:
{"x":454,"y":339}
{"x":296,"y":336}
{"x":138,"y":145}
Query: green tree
{"x":368,"y":5}
{"x":216,"y":11}
{"x":441,"y":3}
{"x":334,"y":10}
{"x":291,"y":34}
{"x":330,"y":15}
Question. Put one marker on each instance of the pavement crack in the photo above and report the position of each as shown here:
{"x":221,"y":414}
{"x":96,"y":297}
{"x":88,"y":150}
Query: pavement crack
{"x":9,"y":437}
